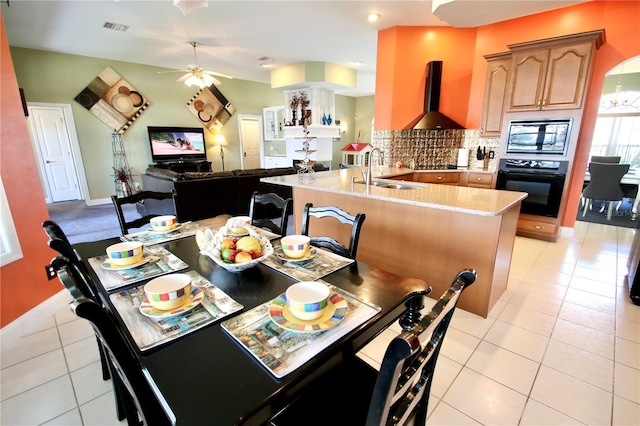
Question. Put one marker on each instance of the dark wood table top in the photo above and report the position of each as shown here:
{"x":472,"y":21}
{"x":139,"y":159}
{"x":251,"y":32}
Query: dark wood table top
{"x":207,"y":378}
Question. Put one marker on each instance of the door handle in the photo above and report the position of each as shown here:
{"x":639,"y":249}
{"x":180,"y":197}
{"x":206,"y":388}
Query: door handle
{"x":49,"y":161}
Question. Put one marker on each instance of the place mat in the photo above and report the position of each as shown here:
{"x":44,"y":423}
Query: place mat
{"x":147,"y":237}
{"x":149,"y":333}
{"x":160,"y":261}
{"x":282,"y":351}
{"x":322,"y":264}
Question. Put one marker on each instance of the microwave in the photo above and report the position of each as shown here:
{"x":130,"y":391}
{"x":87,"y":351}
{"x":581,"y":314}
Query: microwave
{"x":538,"y":136}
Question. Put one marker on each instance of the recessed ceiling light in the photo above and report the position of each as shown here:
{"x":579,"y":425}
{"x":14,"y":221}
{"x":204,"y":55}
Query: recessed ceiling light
{"x":373,"y":17}
{"x":357,"y":63}
{"x":265,"y":65}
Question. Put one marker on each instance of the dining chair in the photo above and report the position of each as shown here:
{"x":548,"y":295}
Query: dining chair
{"x":604,"y":185}
{"x":399,"y":392}
{"x":265,"y":207}
{"x":355,"y":221}
{"x":140,"y":397}
{"x":138,"y":197}
{"x":605,"y":159}
{"x":53,"y":230}
{"x":81,"y":287}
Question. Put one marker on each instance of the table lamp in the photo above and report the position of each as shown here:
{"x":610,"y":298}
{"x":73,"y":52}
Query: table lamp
{"x":221,"y":141}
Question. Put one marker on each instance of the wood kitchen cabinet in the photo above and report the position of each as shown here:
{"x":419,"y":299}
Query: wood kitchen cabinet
{"x":495,"y":92}
{"x":541,"y":228}
{"x":551,"y":74}
{"x":480,"y":180}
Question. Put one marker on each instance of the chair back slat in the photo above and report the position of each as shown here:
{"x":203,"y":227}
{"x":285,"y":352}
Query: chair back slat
{"x":265,"y":207}
{"x":402,"y":388}
{"x":343,"y":217}
{"x":138,"y":197}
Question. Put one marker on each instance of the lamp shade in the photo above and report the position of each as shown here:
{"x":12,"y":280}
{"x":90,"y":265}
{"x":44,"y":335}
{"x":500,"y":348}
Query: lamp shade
{"x":187,"y":6}
{"x":220,"y":141}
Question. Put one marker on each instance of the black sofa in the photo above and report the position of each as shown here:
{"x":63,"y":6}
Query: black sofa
{"x":202,"y":195}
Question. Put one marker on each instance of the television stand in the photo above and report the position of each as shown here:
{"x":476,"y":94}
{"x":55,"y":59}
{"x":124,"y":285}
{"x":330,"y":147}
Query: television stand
{"x":185,"y":166}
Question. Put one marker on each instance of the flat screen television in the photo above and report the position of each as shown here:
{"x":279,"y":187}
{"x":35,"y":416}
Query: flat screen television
{"x":176,"y":144}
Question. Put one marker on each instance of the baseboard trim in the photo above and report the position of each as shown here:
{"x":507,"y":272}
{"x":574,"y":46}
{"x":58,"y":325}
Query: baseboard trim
{"x":98,"y":201}
{"x":29,"y":321}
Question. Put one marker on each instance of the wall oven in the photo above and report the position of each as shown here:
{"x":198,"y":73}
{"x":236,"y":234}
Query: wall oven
{"x":542,"y":180}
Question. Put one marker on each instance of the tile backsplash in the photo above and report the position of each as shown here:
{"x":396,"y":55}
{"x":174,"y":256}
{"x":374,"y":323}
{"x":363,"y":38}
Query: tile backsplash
{"x":433,"y":149}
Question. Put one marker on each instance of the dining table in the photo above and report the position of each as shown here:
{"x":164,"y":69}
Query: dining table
{"x":207,"y":377}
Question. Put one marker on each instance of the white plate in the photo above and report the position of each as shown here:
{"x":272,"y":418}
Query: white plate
{"x":195,"y":298}
{"x":312,"y":253}
{"x":113,"y":267}
{"x":164,"y":231}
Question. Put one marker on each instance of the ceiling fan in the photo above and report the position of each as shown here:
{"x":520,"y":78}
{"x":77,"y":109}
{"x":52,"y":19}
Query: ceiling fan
{"x":197,"y":75}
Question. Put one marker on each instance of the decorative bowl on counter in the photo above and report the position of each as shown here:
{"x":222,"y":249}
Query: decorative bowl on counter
{"x":215,"y":249}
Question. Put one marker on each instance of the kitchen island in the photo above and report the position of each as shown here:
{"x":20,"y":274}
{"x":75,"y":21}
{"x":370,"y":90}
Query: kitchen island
{"x":422,"y":230}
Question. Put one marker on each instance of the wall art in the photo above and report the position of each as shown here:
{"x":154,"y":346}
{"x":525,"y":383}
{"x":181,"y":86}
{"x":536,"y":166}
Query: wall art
{"x":211,"y":108}
{"x":113,"y":100}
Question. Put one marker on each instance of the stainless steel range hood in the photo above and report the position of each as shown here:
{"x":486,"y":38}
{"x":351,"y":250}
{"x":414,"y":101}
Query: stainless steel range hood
{"x":432,"y":118}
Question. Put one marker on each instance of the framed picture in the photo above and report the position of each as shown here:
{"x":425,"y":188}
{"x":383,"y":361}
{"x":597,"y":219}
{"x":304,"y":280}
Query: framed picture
{"x":211,"y":108}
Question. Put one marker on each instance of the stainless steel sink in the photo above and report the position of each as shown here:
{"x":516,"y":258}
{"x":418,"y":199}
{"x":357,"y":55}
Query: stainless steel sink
{"x":385,"y":183}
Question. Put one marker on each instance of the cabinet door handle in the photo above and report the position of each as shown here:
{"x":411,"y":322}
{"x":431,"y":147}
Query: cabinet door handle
{"x":478,"y":179}
{"x":539,"y":227}
{"x":539,"y":104}
{"x":544,"y":103}
{"x":439,"y":178}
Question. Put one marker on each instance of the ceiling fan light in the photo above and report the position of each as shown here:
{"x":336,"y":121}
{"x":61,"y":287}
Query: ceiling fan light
{"x":194,"y":80}
{"x":187,"y":6}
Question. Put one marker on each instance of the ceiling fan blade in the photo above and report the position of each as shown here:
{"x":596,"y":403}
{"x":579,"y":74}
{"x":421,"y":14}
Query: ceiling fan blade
{"x":164,"y":72}
{"x":219,"y":74}
{"x":184,"y":78}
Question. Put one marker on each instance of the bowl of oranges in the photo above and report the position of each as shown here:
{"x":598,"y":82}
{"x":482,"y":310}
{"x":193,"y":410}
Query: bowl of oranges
{"x":238,"y":253}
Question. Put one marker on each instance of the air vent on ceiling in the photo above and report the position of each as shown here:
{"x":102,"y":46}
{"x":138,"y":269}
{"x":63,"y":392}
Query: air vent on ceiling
{"x":115,"y":27}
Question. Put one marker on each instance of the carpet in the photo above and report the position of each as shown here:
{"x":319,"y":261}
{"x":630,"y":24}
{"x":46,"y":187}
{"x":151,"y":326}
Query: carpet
{"x":82,"y":223}
{"x":622,"y":217}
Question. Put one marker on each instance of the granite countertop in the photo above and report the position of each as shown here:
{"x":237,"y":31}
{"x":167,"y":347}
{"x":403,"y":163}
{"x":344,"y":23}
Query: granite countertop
{"x":478,"y":201}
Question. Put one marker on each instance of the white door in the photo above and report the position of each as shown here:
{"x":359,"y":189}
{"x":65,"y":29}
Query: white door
{"x":54,"y":145}
{"x":250,"y":140}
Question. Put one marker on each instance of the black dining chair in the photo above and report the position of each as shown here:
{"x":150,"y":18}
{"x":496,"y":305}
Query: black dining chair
{"x":59,"y":242}
{"x":138,"y":197}
{"x":399,"y":392}
{"x":266,"y":207}
{"x":605,"y":159}
{"x":604,"y":185}
{"x":138,"y":395}
{"x":329,"y":243}
{"x":81,"y":287}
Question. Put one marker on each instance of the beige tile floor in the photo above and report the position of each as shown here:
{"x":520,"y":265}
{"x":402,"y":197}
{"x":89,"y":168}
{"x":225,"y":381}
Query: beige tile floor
{"x":561,"y":347}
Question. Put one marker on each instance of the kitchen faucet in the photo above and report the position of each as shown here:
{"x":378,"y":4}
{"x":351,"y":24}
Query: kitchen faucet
{"x":367,"y":176}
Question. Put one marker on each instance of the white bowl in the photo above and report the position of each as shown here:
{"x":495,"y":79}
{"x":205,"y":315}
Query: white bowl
{"x":126,"y":253}
{"x":295,"y":246}
{"x":307,"y":300}
{"x":163,"y":223}
{"x":168,"y":291}
{"x":239,"y":221}
{"x":213,"y":250}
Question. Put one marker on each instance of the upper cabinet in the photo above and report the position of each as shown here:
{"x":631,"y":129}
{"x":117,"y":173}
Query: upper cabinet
{"x":551,"y":74}
{"x":273,"y":123}
{"x":495,"y":91}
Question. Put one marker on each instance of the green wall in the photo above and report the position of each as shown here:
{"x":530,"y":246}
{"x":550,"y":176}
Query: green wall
{"x":57,"y":78}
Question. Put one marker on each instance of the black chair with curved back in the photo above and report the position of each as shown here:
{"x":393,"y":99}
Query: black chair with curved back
{"x":127,"y":386}
{"x":605,"y":159}
{"x":138,"y":197}
{"x":81,"y":287}
{"x":355,"y":221}
{"x":266,"y":207}
{"x":58,"y":240}
{"x":604,"y":185}
{"x":399,"y":392}
{"x":138,"y":394}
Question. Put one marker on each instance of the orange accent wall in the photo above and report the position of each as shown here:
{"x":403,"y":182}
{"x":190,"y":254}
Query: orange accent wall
{"x":23,"y":283}
{"x":403,"y":53}
{"x":464,"y":50}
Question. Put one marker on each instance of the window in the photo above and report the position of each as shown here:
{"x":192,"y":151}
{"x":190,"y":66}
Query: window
{"x":10,"y":250}
{"x":617,"y":129}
